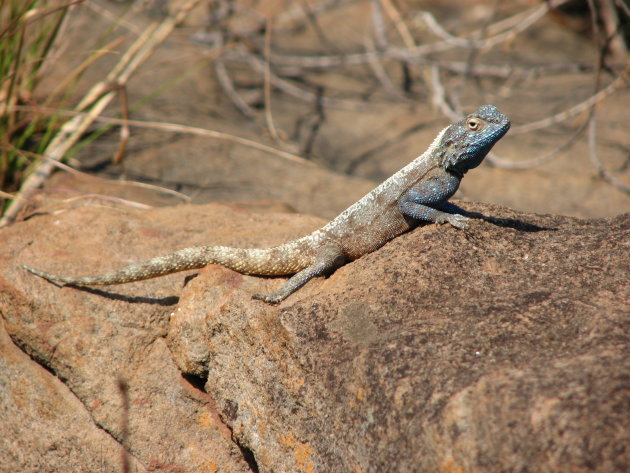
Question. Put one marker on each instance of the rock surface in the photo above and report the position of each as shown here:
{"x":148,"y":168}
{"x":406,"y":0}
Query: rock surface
{"x":89,"y":340}
{"x":44,"y":424}
{"x":499,"y":348}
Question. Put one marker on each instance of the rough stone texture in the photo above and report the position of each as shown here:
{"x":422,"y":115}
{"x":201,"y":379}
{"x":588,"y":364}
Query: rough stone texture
{"x":91,"y":339}
{"x":44,"y":424}
{"x":499,"y":348}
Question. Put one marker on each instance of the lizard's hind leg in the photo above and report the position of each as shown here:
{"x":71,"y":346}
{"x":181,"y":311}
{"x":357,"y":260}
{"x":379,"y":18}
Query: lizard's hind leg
{"x":327,"y":260}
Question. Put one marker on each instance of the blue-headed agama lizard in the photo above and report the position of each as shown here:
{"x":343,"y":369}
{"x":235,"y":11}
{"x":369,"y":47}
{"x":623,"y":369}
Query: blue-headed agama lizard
{"x":417,"y":193}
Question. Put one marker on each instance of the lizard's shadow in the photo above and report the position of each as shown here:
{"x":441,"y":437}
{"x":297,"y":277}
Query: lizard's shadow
{"x":511,"y":223}
{"x":519,"y":225}
{"x":515,"y":224}
{"x":161,"y":301}
{"x":505,"y":222}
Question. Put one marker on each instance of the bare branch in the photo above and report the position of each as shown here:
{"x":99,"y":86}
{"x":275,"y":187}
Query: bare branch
{"x":381,"y":74}
{"x":75,"y":172}
{"x":592,"y":145}
{"x":311,"y":16}
{"x":225,"y":81}
{"x":412,"y":53}
{"x":267,"y":85}
{"x":439,"y":96}
{"x":378,"y":22}
{"x":621,"y":4}
{"x":259,"y":65}
{"x":124,"y":129}
{"x":172,"y":127}
{"x":399,"y":23}
{"x":619,"y":82}
{"x":297,"y":14}
{"x":500,"y":162}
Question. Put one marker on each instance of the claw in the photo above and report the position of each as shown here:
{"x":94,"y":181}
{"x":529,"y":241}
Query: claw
{"x":458,"y":221}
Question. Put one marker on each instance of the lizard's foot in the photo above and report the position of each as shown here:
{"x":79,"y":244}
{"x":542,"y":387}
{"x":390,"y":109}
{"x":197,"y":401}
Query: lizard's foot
{"x":271,"y":298}
{"x":457,"y":220}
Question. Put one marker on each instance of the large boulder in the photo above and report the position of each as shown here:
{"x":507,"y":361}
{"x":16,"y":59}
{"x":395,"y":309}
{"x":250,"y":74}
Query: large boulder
{"x":503,"y":347}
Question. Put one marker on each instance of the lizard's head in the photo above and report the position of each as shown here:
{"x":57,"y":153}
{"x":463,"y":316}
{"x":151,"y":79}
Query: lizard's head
{"x":464,"y":144}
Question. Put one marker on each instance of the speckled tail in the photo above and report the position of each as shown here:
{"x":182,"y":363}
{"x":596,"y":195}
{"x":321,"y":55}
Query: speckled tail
{"x":281,"y":260}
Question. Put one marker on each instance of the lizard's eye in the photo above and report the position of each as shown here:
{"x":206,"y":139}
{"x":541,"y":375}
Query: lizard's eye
{"x":474,"y":124}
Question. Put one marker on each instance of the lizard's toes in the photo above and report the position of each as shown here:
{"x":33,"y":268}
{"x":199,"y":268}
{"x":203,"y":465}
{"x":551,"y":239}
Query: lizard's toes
{"x":272,"y":298}
{"x":458,"y":221}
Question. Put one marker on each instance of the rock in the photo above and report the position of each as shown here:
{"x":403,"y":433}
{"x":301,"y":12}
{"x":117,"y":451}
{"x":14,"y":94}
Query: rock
{"x":90,"y":339}
{"x":45,"y":428}
{"x":499,"y":348}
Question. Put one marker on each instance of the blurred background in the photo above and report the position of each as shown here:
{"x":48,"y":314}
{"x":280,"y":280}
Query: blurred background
{"x":307,"y":105}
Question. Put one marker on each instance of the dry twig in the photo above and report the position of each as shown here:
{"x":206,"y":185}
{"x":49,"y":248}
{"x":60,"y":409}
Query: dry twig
{"x":69,"y":169}
{"x":267,"y":85}
{"x":225,"y":81}
{"x":175,"y":128}
{"x":592,"y":144}
{"x":620,"y":81}
{"x":592,"y":122}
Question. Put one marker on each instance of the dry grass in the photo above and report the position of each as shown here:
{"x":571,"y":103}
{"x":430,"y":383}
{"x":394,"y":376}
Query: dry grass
{"x":61,"y":137}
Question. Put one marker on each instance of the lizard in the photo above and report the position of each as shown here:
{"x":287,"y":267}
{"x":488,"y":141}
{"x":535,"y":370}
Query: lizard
{"x":417,"y":193}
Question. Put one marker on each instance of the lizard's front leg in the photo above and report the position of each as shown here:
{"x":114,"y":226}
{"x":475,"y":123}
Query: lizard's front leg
{"x":328,"y":259}
{"x":427,"y":200}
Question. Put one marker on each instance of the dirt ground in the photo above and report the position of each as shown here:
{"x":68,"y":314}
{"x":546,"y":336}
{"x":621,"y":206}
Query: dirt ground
{"x":358,"y":122}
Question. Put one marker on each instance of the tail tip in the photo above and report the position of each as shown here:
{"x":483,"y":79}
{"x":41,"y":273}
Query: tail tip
{"x":36,"y":272}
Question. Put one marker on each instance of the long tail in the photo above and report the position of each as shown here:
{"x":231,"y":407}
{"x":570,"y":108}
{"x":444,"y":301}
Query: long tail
{"x":277,"y":261}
